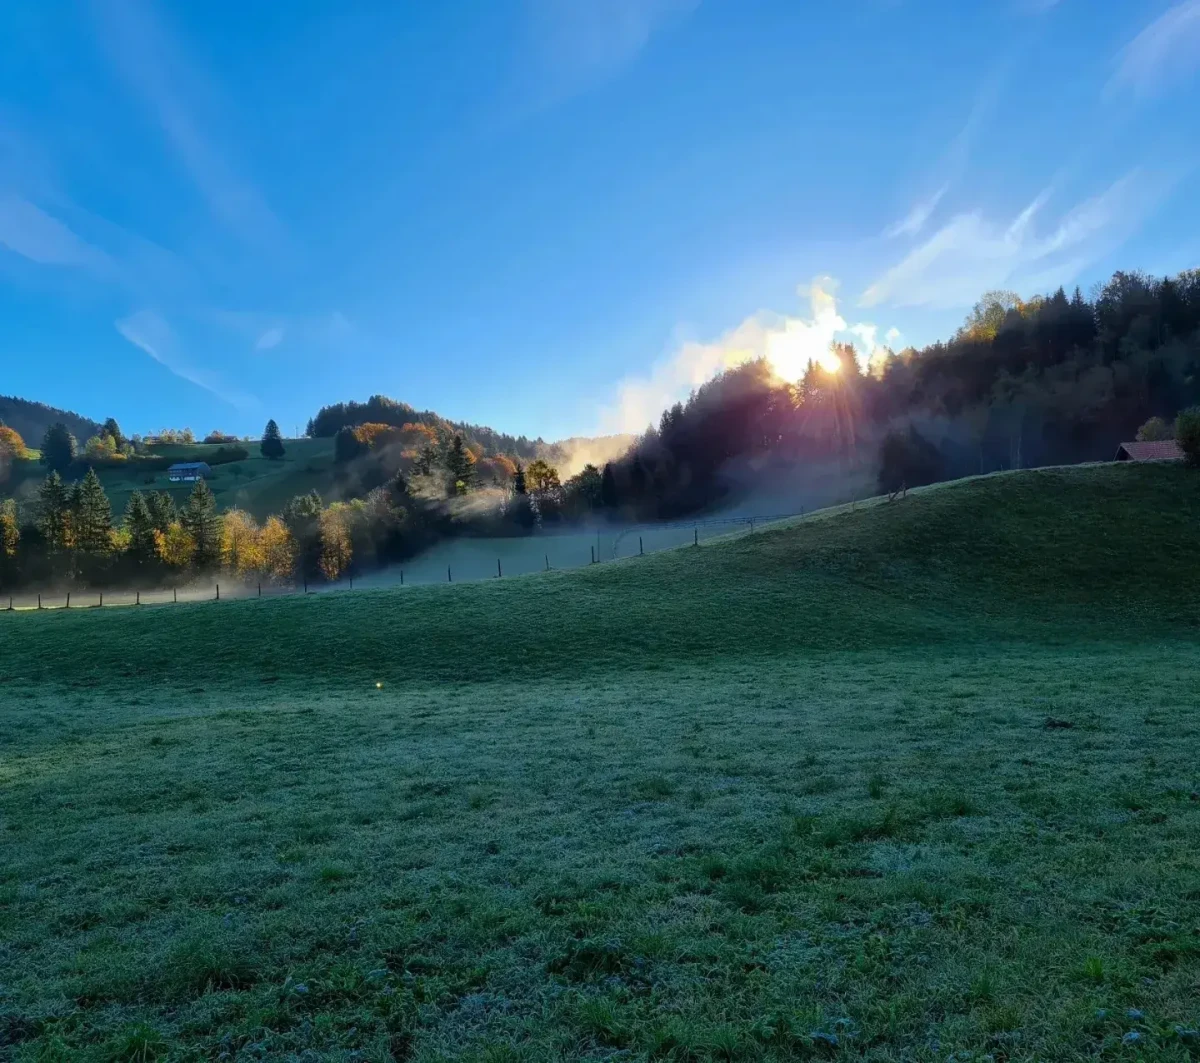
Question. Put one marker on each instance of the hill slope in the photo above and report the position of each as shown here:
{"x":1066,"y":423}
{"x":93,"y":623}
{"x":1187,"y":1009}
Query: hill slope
{"x":1041,"y":554}
{"x":908,"y":781}
{"x":32,"y":419}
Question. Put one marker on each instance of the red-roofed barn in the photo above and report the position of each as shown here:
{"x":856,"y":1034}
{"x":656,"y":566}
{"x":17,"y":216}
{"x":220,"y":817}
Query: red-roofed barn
{"x":1160,"y":450}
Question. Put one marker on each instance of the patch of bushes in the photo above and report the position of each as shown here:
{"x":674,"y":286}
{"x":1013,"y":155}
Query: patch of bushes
{"x":1187,"y":434}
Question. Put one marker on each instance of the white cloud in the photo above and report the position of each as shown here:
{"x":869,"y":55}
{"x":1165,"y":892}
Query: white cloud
{"x":151,"y":332}
{"x":1166,"y":49}
{"x":585,"y":40}
{"x":273,"y":337}
{"x":893,"y":337}
{"x":914,"y":221}
{"x":154,"y":66}
{"x":971,"y":254}
{"x":788,"y":343}
{"x":29,"y":231}
{"x":265,"y":330}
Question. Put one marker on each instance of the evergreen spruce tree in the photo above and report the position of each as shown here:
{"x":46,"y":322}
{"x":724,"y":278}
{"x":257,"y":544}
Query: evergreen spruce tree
{"x":162,"y":510}
{"x":139,"y":523}
{"x":608,"y":488}
{"x":202,"y":522}
{"x":272,"y":442}
{"x":520,"y":508}
{"x":460,"y":466}
{"x":54,"y":513}
{"x":111,"y":428}
{"x":91,"y":516}
{"x":58,"y":448}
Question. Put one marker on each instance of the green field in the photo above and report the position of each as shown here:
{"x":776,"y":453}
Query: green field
{"x":915,"y":781}
{"x":257,"y":485}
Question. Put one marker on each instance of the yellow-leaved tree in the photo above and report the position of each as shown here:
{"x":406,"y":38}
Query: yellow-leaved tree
{"x":12,"y":446}
{"x":10,"y":529}
{"x":336,"y":551}
{"x":176,"y":548}
{"x":278,"y":550}
{"x":241,"y":544}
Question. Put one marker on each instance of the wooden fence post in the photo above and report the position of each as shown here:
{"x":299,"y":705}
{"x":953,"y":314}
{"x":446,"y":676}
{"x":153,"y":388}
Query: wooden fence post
{"x":68,"y":599}
{"x":641,"y":549}
{"x":593,"y":550}
{"x":101,"y":599}
{"x":547,"y":562}
{"x":39,"y":599}
{"x":175,"y":595}
{"x":352,"y":583}
{"x":402,"y":577}
{"x":139,"y":598}
{"x":449,"y":578}
{"x":260,"y":588}
{"x":218,"y":592}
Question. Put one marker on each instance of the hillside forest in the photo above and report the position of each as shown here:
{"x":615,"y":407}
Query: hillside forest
{"x":1054,"y":379}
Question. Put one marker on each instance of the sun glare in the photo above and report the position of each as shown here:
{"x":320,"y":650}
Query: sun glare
{"x":830,"y":362}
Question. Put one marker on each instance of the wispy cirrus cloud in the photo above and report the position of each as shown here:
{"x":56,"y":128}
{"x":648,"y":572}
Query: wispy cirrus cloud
{"x":971,"y":253}
{"x":582,"y":41}
{"x":34,"y":234}
{"x":1167,"y":49}
{"x":950,"y":166}
{"x":264,"y":330}
{"x":273,"y":337}
{"x":914,"y":221}
{"x":150,"y":331}
{"x":164,"y":80}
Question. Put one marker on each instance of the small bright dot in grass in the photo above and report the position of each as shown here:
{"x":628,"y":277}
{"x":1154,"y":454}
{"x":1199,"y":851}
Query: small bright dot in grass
{"x":378,"y":686}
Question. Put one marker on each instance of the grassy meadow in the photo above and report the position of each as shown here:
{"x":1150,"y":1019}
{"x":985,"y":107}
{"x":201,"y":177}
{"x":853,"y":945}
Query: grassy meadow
{"x":257,"y":485}
{"x":916,"y":781}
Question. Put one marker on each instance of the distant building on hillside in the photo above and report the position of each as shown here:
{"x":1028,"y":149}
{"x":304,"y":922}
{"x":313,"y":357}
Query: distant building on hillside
{"x":1161,"y":450}
{"x":188,"y":472}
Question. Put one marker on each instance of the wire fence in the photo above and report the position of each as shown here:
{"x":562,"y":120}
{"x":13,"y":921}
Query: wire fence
{"x":453,"y":561}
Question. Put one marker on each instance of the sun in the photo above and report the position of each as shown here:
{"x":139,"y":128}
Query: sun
{"x":830,"y":362}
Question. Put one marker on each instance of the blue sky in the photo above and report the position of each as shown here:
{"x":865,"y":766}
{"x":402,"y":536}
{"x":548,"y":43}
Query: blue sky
{"x":553,"y":216}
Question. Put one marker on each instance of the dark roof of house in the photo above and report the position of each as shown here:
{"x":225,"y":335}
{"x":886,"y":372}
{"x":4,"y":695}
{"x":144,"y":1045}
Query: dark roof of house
{"x":1162,"y":450}
{"x":190,"y":466}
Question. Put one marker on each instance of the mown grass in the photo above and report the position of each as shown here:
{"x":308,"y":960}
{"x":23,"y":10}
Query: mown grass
{"x":913,"y":782}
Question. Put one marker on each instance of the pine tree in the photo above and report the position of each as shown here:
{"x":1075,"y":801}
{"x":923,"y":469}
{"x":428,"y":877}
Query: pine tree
{"x":58,"y":448}
{"x":202,"y":522}
{"x":608,"y":488}
{"x":461,"y":466}
{"x":54,"y":513}
{"x":519,"y":485}
{"x":637,"y":480}
{"x":346,"y":445}
{"x":91,"y":515}
{"x":272,"y":442}
{"x":139,"y":523}
{"x":426,"y":459}
{"x":162,"y":510}
{"x":112,"y":429}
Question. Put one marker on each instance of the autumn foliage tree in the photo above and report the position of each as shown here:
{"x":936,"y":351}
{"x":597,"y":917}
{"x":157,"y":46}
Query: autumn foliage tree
{"x":277,"y":550}
{"x":241,"y":544}
{"x":336,"y":551}
{"x":12,"y":446}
